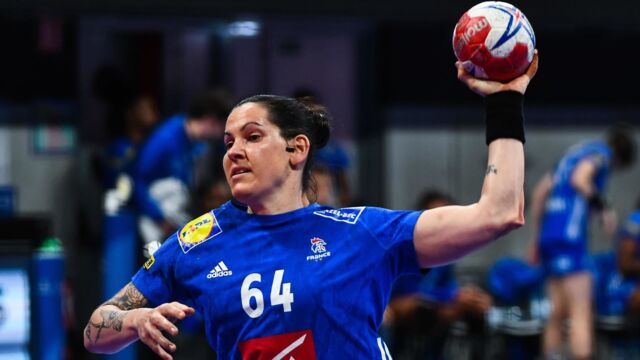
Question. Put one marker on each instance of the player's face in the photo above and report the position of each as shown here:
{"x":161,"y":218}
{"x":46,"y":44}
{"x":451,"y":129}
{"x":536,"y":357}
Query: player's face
{"x":256,"y":164}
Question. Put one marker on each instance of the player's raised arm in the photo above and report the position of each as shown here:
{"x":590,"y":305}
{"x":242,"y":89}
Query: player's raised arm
{"x":444,"y":234}
{"x":124,"y":319}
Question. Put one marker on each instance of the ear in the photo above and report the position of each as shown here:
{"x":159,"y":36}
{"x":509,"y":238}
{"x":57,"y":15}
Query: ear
{"x":301,"y":146}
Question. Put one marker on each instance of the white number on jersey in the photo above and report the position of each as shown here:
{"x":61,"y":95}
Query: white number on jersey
{"x":246,"y":293}
{"x":284,"y":298}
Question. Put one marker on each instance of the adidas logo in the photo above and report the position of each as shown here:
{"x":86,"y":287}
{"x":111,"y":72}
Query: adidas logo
{"x":219,"y":271}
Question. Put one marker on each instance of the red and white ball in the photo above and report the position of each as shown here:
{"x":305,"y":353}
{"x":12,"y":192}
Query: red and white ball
{"x":494,"y":40}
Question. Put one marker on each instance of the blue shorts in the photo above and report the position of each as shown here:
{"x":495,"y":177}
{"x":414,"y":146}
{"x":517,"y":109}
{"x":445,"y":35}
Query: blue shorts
{"x":560,"y":258}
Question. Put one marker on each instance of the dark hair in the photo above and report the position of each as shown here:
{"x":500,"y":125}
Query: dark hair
{"x":431,"y":196}
{"x":214,"y":103}
{"x":620,"y":139}
{"x":297,"y":117}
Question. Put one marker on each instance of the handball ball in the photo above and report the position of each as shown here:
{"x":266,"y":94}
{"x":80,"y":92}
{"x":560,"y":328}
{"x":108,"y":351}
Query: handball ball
{"x":494,"y":40}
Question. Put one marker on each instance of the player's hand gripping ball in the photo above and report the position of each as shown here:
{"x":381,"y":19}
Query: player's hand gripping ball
{"x":495,"y":41}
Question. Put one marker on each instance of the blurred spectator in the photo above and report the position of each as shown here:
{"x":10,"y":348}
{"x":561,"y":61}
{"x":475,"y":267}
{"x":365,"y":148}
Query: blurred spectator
{"x":333,"y":158}
{"x":561,"y":205}
{"x":423,"y":308}
{"x":165,"y":172}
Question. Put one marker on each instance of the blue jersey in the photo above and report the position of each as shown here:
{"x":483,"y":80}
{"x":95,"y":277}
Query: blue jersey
{"x":566,"y":211}
{"x":309,"y":284}
{"x":168,"y":153}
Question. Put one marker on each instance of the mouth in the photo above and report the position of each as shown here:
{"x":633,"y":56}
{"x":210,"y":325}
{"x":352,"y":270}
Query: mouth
{"x":239,"y":171}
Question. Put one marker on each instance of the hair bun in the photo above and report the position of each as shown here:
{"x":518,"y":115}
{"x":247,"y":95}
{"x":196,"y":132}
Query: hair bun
{"x":321,"y":121}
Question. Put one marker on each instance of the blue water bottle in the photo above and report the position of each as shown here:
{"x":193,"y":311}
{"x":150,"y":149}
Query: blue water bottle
{"x":49,"y":276}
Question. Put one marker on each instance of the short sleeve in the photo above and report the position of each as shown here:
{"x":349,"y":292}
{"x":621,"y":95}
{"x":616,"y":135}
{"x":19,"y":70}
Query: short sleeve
{"x":155,"y":278}
{"x":394,"y":232}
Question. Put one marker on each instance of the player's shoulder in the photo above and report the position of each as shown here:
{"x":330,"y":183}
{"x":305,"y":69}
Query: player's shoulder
{"x":203,"y":228}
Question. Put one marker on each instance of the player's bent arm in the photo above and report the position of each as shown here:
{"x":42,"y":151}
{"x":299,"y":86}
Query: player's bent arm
{"x":445,"y":234}
{"x":582,"y":178}
{"x":124,"y":319}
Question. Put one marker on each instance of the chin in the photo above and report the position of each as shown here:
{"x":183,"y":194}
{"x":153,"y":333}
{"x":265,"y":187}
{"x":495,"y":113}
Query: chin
{"x":242,"y":194}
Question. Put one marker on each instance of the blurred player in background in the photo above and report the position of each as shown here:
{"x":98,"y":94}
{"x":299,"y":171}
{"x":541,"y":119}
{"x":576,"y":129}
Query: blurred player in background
{"x":165,"y":171}
{"x":562,"y":203}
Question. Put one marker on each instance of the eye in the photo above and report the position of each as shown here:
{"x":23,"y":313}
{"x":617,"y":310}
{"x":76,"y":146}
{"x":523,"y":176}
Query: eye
{"x":254,"y":137}
{"x":228,"y":145}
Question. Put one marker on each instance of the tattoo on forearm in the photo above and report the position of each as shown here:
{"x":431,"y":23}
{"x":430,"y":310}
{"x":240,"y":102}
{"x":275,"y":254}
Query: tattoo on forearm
{"x":491,"y":169}
{"x":132,"y":299}
{"x":110,"y":319}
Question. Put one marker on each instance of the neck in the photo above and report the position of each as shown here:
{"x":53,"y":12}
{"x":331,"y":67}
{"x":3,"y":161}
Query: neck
{"x":279,"y":203}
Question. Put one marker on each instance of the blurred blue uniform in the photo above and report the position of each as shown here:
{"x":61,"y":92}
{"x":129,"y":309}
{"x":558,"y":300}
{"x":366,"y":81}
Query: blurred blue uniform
{"x":513,"y":281}
{"x":563,"y":236}
{"x":438,"y":285}
{"x":168,"y":153}
{"x":333,"y":157}
{"x":309,"y":284}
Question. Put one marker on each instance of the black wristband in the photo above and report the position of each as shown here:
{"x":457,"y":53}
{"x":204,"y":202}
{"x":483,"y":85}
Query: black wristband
{"x":597,"y":202}
{"x":504,"y":116}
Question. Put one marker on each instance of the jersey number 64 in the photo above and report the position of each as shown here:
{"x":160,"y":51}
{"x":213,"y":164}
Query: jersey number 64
{"x":280,"y":294}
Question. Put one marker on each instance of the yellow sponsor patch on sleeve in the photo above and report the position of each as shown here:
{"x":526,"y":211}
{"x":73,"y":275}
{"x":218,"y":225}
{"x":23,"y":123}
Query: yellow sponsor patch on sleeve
{"x":198,"y":230}
{"x":147,"y":265}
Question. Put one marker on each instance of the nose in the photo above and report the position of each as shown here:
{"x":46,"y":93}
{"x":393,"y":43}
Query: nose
{"x":235,"y":152}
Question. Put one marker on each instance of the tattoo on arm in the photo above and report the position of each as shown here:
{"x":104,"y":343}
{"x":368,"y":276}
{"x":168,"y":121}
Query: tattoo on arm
{"x":132,"y":299}
{"x":110,"y":319}
{"x":491,"y":169}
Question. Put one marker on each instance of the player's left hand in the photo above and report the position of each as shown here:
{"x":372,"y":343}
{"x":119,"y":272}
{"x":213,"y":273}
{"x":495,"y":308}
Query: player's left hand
{"x":487,"y":87}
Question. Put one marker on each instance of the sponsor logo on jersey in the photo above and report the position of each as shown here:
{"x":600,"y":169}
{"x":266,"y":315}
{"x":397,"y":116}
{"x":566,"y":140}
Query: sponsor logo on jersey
{"x":219,"y":271}
{"x":347,"y":215}
{"x":198,"y":231}
{"x":147,"y":265}
{"x":319,"y":249}
{"x":290,"y":346}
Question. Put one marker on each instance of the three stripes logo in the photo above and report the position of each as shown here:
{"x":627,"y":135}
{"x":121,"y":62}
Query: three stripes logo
{"x":219,"y":271}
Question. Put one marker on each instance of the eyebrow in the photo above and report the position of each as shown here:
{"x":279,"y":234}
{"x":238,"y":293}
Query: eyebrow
{"x":245,"y":125}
